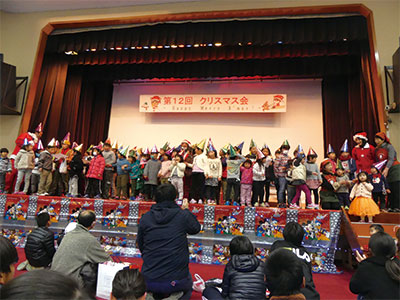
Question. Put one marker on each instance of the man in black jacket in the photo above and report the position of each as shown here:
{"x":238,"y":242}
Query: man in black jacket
{"x":39,"y":248}
{"x":293,"y":235}
{"x":162,"y":240}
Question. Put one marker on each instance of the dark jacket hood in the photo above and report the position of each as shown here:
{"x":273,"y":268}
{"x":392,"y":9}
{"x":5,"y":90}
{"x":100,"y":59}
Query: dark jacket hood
{"x":164,"y":212}
{"x":377,"y":260}
{"x":245,"y":262}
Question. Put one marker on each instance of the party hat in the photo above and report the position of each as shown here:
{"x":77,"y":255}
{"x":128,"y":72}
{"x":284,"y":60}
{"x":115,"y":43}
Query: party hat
{"x":312,"y":152}
{"x":169,"y":152}
{"x":179,"y":148}
{"x":240,"y":146}
{"x":252,"y":144}
{"x":201,"y":144}
{"x":114,"y":145}
{"x":339,"y":164}
{"x":26,"y":142}
{"x":124,"y":151}
{"x":260,"y":155}
{"x":154,"y":149}
{"x":146,"y":151}
{"x":285,"y":143}
{"x":40,"y":145}
{"x":90,"y":148}
{"x":225,"y":148}
{"x":52,"y":143}
{"x":132,"y":153}
{"x":265,"y":146}
{"x":74,"y":145}
{"x":66,"y":139}
{"x":166,"y":146}
{"x":345,"y":146}
{"x":78,"y":148}
{"x":100,"y":145}
{"x":300,"y":149}
{"x":232,"y":152}
{"x":107,"y":142}
{"x":211,"y":146}
{"x":330,"y":149}
{"x":379,"y":165}
{"x":39,"y":128}
{"x":57,"y":144}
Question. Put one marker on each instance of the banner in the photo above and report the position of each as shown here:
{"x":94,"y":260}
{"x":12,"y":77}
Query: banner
{"x":51,"y":206}
{"x":215,"y":103}
{"x":16,"y":207}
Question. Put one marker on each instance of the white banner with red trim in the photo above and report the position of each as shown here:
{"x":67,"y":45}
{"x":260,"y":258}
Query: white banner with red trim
{"x":216,"y":103}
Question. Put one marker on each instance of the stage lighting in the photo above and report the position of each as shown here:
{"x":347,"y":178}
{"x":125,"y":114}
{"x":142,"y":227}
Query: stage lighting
{"x":132,"y":47}
{"x":118,"y":48}
{"x":345,"y":39}
{"x":188,"y":46}
{"x":280,"y":42}
{"x":167,"y":46}
{"x":93,"y":49}
{"x":153,"y":47}
{"x":145,"y":47}
{"x":112,"y":48}
{"x":174,"y":46}
{"x":126,"y":48}
{"x":196,"y":45}
{"x":105,"y":49}
{"x":159,"y":47}
{"x":240,"y":44}
{"x":71,"y":53}
{"x":87,"y":49}
{"x":218,"y":44}
{"x":181,"y":46}
{"x":209,"y":45}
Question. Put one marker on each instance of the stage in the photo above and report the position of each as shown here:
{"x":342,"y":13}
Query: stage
{"x":117,"y":222}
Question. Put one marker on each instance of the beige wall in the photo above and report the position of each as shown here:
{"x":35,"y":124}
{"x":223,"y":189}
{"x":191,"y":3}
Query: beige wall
{"x":19,"y":35}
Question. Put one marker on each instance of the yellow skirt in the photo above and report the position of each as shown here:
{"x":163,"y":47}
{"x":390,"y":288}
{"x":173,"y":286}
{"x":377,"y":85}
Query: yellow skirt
{"x":362,"y":206}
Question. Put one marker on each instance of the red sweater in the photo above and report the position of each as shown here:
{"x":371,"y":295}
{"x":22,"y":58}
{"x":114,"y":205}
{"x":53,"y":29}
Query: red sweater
{"x":96,"y":167}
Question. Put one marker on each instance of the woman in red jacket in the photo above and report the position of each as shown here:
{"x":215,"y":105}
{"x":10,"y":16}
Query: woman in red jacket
{"x":95,"y":174}
{"x":363,"y":153}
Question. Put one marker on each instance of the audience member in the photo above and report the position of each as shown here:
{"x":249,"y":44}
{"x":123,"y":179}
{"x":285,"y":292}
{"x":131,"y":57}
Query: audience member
{"x":8,"y":259}
{"x":128,"y":284}
{"x":293,"y":235}
{"x":163,"y":244}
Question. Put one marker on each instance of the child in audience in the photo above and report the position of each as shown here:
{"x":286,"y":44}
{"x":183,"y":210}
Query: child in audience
{"x":293,"y":235}
{"x":348,"y":163}
{"x":381,"y":187}
{"x":331,"y":156}
{"x":329,"y":199}
{"x":213,"y":174}
{"x":8,"y":259}
{"x":246,"y":182}
{"x":123,"y":168}
{"x":284,"y":276}
{"x":128,"y":284}
{"x":5,"y":167}
{"x":343,"y":191}
{"x":259,"y":180}
{"x":39,"y":248}
{"x":75,"y":172}
{"x":233,"y":176}
{"x":134,"y":174}
{"x":165,"y":172}
{"x":362,"y":204}
{"x":177,"y":172}
{"x":374,"y":228}
{"x":299,"y":177}
{"x":314,"y":178}
{"x":95,"y":174}
{"x":243,"y":275}
{"x":24,"y":163}
{"x":150,"y":175}
{"x":45,"y":165}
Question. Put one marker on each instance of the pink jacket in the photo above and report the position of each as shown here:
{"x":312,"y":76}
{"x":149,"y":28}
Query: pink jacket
{"x":247,"y":175}
{"x":96,"y":167}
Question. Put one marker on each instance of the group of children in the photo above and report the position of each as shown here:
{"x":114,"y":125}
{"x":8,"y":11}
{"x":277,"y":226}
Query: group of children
{"x":197,"y":173}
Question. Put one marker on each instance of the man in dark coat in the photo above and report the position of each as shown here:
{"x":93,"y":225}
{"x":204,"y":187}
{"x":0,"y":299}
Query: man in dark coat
{"x":162,"y":240}
{"x":39,"y":248}
{"x":293,"y":236}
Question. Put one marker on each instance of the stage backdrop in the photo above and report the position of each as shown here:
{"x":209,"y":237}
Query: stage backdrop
{"x":301,"y":123}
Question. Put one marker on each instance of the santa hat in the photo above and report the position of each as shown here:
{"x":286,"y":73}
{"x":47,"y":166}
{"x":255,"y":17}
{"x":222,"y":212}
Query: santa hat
{"x":66,"y":139}
{"x":154,"y":149}
{"x":379,"y":165}
{"x":312,"y":152}
{"x":107,"y":142}
{"x":52,"y":143}
{"x":345,"y":146}
{"x":124,"y":151}
{"x":383,"y":137}
{"x":187,"y":142}
{"x":324,"y":163}
{"x":360,"y":135}
{"x":260,"y":155}
{"x":330,"y":149}
{"x":39,"y":128}
{"x":240,"y":146}
{"x":78,"y":148}
{"x":40,"y":145}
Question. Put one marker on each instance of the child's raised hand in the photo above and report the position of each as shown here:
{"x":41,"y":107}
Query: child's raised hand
{"x":388,"y":191}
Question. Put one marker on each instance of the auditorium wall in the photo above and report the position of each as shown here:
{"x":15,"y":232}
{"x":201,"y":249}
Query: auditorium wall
{"x":19,"y":35}
{"x":301,"y":123}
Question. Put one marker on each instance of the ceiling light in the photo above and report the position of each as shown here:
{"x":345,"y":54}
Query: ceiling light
{"x":174,"y":46}
{"x":132,"y":47}
{"x":280,"y":42}
{"x":196,"y":45}
{"x":71,"y":53}
{"x":112,"y":48}
{"x":159,"y":47}
{"x":93,"y":49}
{"x":218,"y":44}
{"x":209,"y":45}
{"x":167,"y":46}
{"x":118,"y":48}
{"x":153,"y":47}
{"x":145,"y":47}
{"x":139,"y":47}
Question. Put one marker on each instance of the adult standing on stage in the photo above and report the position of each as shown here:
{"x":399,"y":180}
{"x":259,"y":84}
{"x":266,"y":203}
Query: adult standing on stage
{"x":363,"y":153}
{"x":385,"y":151}
{"x":35,"y":137}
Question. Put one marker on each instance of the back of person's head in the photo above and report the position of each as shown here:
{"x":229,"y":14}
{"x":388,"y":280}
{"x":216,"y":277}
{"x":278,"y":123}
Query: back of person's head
{"x":284,"y":273}
{"x":128,"y":284}
{"x":382,"y":244}
{"x":293,"y":233}
{"x":165,"y":192}
{"x":42,"y":219}
{"x":8,"y":257}
{"x":376,"y":228}
{"x":86,"y":218}
{"x":241,"y":245}
{"x":42,"y":284}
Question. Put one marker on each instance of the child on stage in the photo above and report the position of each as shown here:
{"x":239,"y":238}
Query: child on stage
{"x":24,"y":163}
{"x":381,"y":187}
{"x":123,"y":169}
{"x":5,"y":167}
{"x":233,"y":176}
{"x":165,"y":171}
{"x":348,"y":163}
{"x":331,"y":157}
{"x":246,"y":182}
{"x":362,"y":204}
{"x":213,"y":174}
{"x":343,"y":191}
{"x":329,"y":185}
{"x":150,"y":174}
{"x":299,"y":177}
{"x":177,"y":169}
{"x":45,"y":165}
{"x":75,"y":172}
{"x":314,"y":178}
{"x":259,"y":168}
{"x":134,"y":174}
{"x":95,"y":174}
